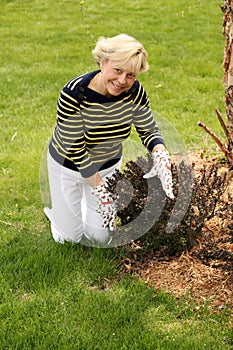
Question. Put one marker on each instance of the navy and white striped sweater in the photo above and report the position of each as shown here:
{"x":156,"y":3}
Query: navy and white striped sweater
{"x":90,"y":127}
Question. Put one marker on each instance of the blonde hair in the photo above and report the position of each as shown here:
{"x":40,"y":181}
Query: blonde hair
{"x":123,"y":48}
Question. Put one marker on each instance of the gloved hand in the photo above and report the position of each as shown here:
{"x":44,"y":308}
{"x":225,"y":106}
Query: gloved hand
{"x":162,"y":168}
{"x":105,"y":207}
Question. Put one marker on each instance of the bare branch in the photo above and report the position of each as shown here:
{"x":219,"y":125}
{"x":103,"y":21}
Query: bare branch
{"x":222,"y":123}
{"x":216,"y":139}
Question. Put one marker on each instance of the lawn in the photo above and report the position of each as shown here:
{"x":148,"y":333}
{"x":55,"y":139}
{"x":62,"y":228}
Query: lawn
{"x":74,"y":297}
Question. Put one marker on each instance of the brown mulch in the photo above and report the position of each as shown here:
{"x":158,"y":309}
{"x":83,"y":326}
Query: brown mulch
{"x":189,"y":274}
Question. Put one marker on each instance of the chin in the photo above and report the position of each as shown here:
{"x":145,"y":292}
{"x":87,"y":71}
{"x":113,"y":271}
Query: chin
{"x":113,"y":91}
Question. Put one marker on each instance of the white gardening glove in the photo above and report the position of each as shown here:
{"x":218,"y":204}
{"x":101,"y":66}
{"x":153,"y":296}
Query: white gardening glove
{"x":105,"y":207}
{"x":162,"y":168}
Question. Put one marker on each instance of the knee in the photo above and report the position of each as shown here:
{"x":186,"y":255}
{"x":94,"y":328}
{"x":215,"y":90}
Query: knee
{"x":99,"y":235}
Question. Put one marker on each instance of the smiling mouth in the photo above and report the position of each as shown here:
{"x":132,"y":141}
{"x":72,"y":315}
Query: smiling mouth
{"x":117,"y":87}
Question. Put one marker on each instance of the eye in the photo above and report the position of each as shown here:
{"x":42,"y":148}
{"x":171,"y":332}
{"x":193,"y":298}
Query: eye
{"x":131,"y":75}
{"x":118,"y":70}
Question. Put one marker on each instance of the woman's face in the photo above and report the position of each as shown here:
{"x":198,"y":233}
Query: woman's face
{"x":114,"y":79}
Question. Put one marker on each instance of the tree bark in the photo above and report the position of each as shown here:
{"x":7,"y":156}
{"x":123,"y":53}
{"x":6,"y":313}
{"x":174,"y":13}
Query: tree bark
{"x":227,"y":9}
{"x":227,"y":149}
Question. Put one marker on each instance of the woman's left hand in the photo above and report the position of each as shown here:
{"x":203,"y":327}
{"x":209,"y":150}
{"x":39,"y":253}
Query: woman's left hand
{"x":162,"y":168}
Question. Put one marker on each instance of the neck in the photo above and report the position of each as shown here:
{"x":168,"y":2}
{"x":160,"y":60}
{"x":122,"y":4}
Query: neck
{"x":97,"y":84}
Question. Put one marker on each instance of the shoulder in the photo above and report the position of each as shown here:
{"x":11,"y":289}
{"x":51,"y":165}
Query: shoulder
{"x":137,"y":87}
{"x":139,"y":94}
{"x":77,"y":86}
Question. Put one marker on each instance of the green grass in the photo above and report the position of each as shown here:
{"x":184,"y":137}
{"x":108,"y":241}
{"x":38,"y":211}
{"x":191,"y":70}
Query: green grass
{"x":73,"y":297}
{"x":64,"y":297}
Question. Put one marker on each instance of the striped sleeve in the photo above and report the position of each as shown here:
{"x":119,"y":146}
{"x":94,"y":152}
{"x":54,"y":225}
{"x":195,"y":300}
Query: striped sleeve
{"x":69,"y":133}
{"x":144,"y":121}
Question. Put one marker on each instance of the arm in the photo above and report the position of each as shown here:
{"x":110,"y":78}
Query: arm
{"x":144,"y":121}
{"x":152,"y":139}
{"x":94,"y":180}
{"x":158,"y":147}
{"x":69,"y":133}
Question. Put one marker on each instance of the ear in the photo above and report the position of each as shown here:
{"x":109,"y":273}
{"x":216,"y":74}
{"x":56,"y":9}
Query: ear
{"x":102,"y":63}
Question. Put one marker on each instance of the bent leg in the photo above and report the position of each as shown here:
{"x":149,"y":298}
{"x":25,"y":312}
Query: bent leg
{"x":66,"y":194}
{"x":92,"y":220}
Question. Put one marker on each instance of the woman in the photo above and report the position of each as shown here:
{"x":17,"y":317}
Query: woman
{"x":95,"y":113}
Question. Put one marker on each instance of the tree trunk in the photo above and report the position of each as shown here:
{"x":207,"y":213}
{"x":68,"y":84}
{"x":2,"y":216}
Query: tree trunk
{"x":228,"y":67}
{"x":227,"y":149}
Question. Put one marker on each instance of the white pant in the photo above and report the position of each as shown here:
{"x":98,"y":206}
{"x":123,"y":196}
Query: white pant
{"x":73,"y":213}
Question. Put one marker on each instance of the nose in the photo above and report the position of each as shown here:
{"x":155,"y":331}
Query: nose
{"x":122,"y":78}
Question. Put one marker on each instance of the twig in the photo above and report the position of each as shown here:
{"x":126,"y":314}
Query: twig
{"x":222,"y":123}
{"x":7,"y":223}
{"x":81,"y":3}
{"x":216,"y":139}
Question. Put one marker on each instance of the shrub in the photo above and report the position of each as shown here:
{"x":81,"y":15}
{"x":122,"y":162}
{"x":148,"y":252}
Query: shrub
{"x":174,"y":230}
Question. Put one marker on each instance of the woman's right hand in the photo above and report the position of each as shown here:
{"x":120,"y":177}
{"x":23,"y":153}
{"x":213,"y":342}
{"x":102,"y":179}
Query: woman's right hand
{"x":105,"y":206}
